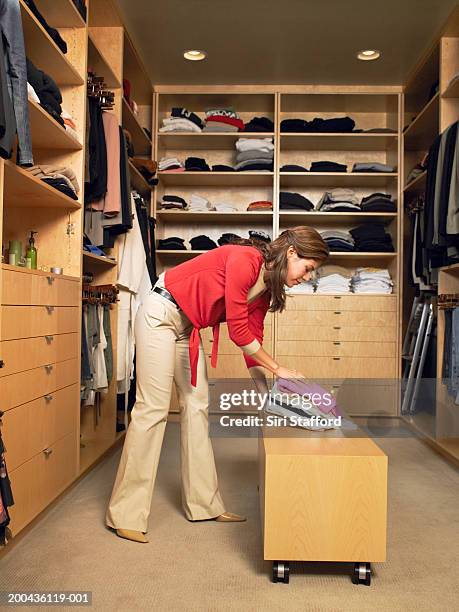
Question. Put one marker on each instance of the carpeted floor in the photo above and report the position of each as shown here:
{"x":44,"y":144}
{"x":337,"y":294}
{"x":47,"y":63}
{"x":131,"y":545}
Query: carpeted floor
{"x":218,"y":567}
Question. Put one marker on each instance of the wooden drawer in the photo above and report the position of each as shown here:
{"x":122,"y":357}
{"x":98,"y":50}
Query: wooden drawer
{"x":29,"y":385}
{"x":20,"y":355}
{"x":30,"y":321}
{"x":32,"y":427}
{"x":335,"y":349}
{"x":337,"y":333}
{"x":227,"y":346}
{"x":354,"y":303}
{"x":24,"y":288}
{"x":336,"y":317}
{"x":341,"y":367}
{"x":228,"y":366}
{"x":41,"y":479}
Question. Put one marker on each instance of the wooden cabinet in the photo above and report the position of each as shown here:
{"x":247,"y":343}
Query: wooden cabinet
{"x":41,"y":479}
{"x":29,"y":321}
{"x":35,"y":289}
{"x":30,"y":353}
{"x":32,"y":427}
{"x":354,"y":303}
{"x":341,"y":367}
{"x":25,"y":386}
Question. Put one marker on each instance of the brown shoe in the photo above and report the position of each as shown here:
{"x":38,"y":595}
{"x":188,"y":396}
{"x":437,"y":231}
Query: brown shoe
{"x":230,"y":517}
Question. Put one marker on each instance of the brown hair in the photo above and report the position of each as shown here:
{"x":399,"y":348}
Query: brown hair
{"x":308,"y":244}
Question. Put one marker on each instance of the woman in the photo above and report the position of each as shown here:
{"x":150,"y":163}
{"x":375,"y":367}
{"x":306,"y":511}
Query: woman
{"x":236,"y":283}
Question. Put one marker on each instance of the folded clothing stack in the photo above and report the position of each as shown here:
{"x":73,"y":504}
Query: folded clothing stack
{"x":199,"y":203}
{"x":327,"y":166}
{"x":255,"y":154}
{"x":372,"y":167}
{"x":228,"y":238}
{"x":334,"y":279}
{"x":202,"y":243}
{"x":259,"y":124}
{"x":196,"y":164}
{"x":372,"y":238}
{"x":169,"y":164}
{"x":53,"y":33}
{"x":181,"y":120}
{"x":223,"y":120}
{"x":260,"y":205}
{"x":47,"y":91}
{"x":372,"y":280}
{"x":293,"y":168}
{"x":378,"y":202}
{"x":305,"y":287}
{"x":294,"y":201}
{"x":61,"y":178}
{"x":338,"y":240}
{"x":173,"y":201}
{"x":339,"y":200}
{"x":147,"y":168}
{"x":336,"y":124}
{"x":259,"y":235}
{"x":222,"y":168}
{"x":173,"y":243}
{"x":225,"y":207}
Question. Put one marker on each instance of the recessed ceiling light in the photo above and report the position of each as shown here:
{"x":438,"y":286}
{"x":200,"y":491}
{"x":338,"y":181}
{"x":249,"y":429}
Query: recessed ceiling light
{"x":368,"y":55}
{"x":195,"y":55}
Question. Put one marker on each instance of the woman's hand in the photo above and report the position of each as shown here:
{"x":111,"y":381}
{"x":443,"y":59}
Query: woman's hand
{"x":282,"y":372}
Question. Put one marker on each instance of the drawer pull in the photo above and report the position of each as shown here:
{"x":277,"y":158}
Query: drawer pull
{"x":49,"y":339}
{"x":49,"y":398}
{"x":337,"y":297}
{"x":336,"y":358}
{"x":50,"y":280}
{"x":337,"y":327}
{"x":47,"y":452}
{"x":48,"y":368}
{"x":337,"y":343}
{"x":2,"y":363}
{"x":337,"y":312}
{"x":50,"y":309}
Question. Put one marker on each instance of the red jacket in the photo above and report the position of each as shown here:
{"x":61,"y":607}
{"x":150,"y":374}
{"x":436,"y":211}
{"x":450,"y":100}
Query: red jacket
{"x":212,"y":288}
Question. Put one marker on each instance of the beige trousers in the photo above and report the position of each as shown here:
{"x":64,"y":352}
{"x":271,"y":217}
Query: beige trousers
{"x":162,"y":333}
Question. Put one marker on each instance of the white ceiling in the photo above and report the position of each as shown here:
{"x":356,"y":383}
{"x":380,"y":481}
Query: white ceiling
{"x":282,"y":41}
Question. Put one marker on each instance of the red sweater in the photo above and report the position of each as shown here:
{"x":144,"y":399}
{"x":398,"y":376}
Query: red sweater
{"x":212,"y":288}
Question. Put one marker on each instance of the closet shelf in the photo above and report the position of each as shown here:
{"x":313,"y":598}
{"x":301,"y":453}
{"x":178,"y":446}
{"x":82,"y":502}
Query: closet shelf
{"x":138,"y":182}
{"x":39,"y":273}
{"x":140,"y":140}
{"x":22,"y":189}
{"x":98,"y":260}
{"x":336,"y":179}
{"x":421,"y":132}
{"x":47,"y":133}
{"x":44,"y":52}
{"x":338,"y":141}
{"x":333,"y":254}
{"x":100,"y":65}
{"x":337,"y":217}
{"x":214,"y":216}
{"x":61,"y":14}
{"x":451,"y":269}
{"x":417,"y":184}
{"x":205,"y":140}
{"x":222,"y":179}
{"x":452,"y":91}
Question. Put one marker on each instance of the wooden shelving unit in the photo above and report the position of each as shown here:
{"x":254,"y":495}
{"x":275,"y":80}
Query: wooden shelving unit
{"x":100,"y":64}
{"x":47,"y":133}
{"x":417,"y":184}
{"x":423,"y":129}
{"x":214,"y":216}
{"x":62,"y":14}
{"x":205,"y":140}
{"x":98,"y":260}
{"x":142,"y":144}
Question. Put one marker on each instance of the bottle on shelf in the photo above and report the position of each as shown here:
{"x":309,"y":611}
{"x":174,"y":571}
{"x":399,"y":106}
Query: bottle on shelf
{"x":31,"y":252}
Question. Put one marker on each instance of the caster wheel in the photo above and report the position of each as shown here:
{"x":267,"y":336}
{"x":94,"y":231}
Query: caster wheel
{"x":362,"y":574}
{"x":281,"y":571}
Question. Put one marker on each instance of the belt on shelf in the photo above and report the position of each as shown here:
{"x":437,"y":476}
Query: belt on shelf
{"x":165,"y":293}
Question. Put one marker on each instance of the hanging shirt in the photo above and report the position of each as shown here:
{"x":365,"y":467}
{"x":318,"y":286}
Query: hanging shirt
{"x":213,"y":288}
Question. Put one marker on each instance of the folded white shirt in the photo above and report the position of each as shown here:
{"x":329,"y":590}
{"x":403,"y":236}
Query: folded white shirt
{"x":246,"y":144}
{"x":171,"y":124}
{"x":224,"y":206}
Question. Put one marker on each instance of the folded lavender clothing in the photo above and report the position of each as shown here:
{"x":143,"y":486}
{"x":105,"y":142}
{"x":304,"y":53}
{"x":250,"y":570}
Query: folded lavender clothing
{"x":322,"y":399}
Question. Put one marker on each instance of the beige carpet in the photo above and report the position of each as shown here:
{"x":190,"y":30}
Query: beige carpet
{"x":218,"y":567}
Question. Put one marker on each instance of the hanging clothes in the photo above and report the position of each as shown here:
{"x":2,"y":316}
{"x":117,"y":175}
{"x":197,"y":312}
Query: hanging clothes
{"x":134,"y":284}
{"x":6,"y":494}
